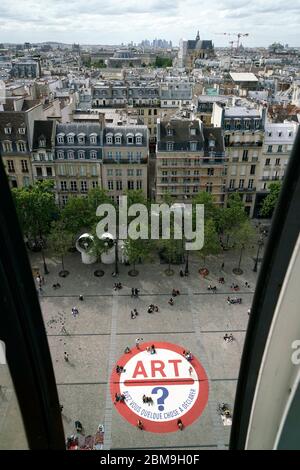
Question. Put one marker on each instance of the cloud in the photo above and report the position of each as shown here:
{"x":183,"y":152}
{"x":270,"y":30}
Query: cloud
{"x":113,"y":22}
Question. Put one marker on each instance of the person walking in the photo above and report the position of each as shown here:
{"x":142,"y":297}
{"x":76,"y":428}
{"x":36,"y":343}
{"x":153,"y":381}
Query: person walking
{"x":222,"y":267}
{"x":137,"y":342}
{"x":66,"y":356}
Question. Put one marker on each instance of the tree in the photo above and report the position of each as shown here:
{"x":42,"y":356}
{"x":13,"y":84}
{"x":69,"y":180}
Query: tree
{"x":211,"y":240}
{"x":211,"y":211}
{"x":76,"y":215}
{"x":60,"y":240}
{"x":136,"y":250}
{"x":231,"y":217}
{"x":270,"y":201}
{"x":36,"y":209}
{"x":243,"y":237}
{"x":172,"y":249}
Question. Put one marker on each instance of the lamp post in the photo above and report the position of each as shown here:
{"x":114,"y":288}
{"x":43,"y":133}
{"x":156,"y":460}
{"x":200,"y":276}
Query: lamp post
{"x":260,"y":244}
{"x":116,"y":272}
{"x":186,"y":270}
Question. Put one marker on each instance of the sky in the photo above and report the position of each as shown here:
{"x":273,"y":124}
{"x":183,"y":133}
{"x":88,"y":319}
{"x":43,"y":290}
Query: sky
{"x":123,"y":21}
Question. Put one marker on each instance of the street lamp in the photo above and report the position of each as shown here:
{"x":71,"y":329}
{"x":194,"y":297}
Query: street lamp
{"x":116,"y":272}
{"x":186,"y":270}
{"x":260,"y":244}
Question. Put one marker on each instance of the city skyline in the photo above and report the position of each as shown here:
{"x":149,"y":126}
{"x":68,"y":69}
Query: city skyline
{"x":116,"y":23}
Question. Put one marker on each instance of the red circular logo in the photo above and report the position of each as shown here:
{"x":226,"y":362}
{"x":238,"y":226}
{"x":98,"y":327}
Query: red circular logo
{"x":159,"y":387}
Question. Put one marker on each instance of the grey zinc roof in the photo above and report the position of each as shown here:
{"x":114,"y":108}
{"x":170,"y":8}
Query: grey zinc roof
{"x":241,"y":111}
{"x":124,"y":130}
{"x":77,"y":128}
{"x":42,"y":129}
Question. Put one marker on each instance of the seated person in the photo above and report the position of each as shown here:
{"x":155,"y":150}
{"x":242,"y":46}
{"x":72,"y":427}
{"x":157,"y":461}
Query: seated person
{"x":171,"y":301}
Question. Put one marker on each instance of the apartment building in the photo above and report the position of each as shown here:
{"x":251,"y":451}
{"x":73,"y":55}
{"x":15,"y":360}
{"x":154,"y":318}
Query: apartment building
{"x":78,"y":158}
{"x":189,"y":159}
{"x":243,"y":134}
{"x":42,"y":155}
{"x":125,"y":159}
{"x":16,"y":133}
{"x":277,"y":145}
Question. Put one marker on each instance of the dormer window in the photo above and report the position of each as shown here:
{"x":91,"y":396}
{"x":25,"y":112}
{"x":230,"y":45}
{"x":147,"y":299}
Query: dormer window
{"x":81,"y":138}
{"x":22,"y":130}
{"x":170,"y":145}
{"x":118,"y":139}
{"x":8,"y":129}
{"x":130,"y":139}
{"x":109,"y":139}
{"x":93,"y":139}
{"x":169,"y":131}
{"x":279,"y":134}
{"x":61,"y":138}
{"x":71,"y":155}
{"x":81,"y":154}
{"x":42,"y":142}
{"x":193,"y":146}
{"x":138,"y":138}
{"x":193,"y":131}
{"x":70,"y":138}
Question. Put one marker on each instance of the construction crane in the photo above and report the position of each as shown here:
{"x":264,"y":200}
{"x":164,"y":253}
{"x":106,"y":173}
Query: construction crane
{"x":238,"y":35}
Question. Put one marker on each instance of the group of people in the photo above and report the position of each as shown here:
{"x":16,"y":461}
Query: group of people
{"x":234,"y":300}
{"x":151,"y":349}
{"x":134,"y":313}
{"x":212,"y":288}
{"x":134,"y":292}
{"x":228,"y":338}
{"x":221,"y":280}
{"x":148,"y":400}
{"x":187,"y":355}
{"x":175,"y":292}
{"x":171,"y":301}
{"x":140,"y":424}
{"x":75,"y":311}
{"x":119,"y":397}
{"x":117,"y":286}
{"x":235,"y":287}
{"x":40,"y":281}
{"x":152,"y":308}
{"x":56,"y":286}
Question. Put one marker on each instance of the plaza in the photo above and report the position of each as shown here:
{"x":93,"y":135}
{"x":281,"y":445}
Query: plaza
{"x":97,"y":337}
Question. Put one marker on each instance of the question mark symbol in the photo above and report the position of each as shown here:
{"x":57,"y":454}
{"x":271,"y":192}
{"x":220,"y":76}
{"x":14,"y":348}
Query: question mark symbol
{"x":161,"y":399}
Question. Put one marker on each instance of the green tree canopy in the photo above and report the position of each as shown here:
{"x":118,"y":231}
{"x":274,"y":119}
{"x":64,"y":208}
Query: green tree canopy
{"x":211,"y":240}
{"x":60,"y":240}
{"x":270,"y":201}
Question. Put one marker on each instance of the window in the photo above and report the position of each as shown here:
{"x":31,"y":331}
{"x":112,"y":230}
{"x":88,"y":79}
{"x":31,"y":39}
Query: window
{"x":170,"y":145}
{"x":231,"y":184}
{"x":49,"y":171}
{"x":109,"y":172}
{"x":93,"y":154}
{"x":93,"y":139}
{"x":270,"y":148}
{"x":63,"y":185}
{"x":247,"y":123}
{"x":279,"y":150}
{"x":208,"y":187}
{"x":70,"y":139}
{"x":70,"y":155}
{"x":83,"y":186}
{"x":22,"y":146}
{"x":269,"y":134}
{"x":60,"y":139}
{"x":118,"y":139}
{"x":94,"y":184}
{"x":130,"y":172}
{"x":22,"y":130}
{"x":42,"y":142}
{"x":138,"y":156}
{"x":64,"y":200}
{"x":39,"y":171}
{"x":73,"y":185}
{"x":81,"y":154}
{"x":193,"y":146}
{"x":61,"y":170}
{"x":118,"y":156}
{"x":210,"y":171}
{"x":279,"y":134}
{"x":250,"y":184}
{"x":130,"y":156}
{"x":252,"y":170}
{"x":82,"y":170}
{"x":7,"y":146}
{"x":129,"y":139}
{"x":243,"y":170}
{"x":233,"y":170}
{"x":109,"y":155}
{"x":24,"y":164}
{"x":26,"y":181}
{"x":169,"y":131}
{"x":119,"y":185}
{"x":139,"y":172}
{"x":193,"y":131}
{"x":7,"y":129}
{"x":237,"y":124}
{"x":139,"y":184}
{"x":149,"y":112}
{"x":267,"y":162}
{"x":60,"y":154}
{"x":118,"y":172}
{"x":241,"y":184}
{"x":110,"y":185}
{"x":249,"y":197}
{"x":10,"y":164}
{"x":130,"y":184}
{"x":277,"y":161}
{"x":257,"y":123}
{"x":109,"y":139}
{"x":138,"y":139}
{"x":81,"y":139}
{"x":290,"y":133}
{"x":245,"y":156}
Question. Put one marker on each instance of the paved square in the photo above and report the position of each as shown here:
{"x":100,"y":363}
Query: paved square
{"x":96,"y":338}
